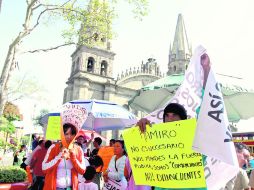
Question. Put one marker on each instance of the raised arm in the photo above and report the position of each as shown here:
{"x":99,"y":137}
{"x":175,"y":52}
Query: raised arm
{"x":205,"y":63}
{"x":51,"y":160}
{"x":91,"y":140}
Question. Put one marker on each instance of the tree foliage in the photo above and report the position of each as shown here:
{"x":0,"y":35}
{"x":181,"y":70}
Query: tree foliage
{"x":11,"y":112}
{"x":7,"y":126}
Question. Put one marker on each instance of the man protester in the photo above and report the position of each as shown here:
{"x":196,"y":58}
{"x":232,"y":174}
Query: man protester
{"x":241,"y":180}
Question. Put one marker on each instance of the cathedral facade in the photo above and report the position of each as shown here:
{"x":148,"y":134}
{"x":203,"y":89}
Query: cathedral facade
{"x":91,"y":75}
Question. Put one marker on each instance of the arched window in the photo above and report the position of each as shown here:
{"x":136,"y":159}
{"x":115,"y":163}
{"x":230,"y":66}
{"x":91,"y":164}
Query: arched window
{"x":90,"y":64}
{"x":104,"y":66}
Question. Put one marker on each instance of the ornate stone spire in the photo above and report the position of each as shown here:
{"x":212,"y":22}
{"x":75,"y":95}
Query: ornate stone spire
{"x":180,"y":51}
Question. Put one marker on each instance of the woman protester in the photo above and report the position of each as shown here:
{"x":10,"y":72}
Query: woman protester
{"x":114,"y":175}
{"x":62,"y":165}
{"x":19,"y":155}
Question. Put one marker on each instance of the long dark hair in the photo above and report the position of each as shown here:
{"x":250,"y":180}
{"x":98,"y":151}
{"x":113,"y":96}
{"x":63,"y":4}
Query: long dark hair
{"x":67,"y":126}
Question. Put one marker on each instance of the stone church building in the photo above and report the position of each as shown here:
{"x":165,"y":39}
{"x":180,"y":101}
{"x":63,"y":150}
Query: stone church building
{"x":91,"y":75}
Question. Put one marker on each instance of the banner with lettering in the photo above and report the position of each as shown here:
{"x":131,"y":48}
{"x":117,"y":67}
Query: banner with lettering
{"x":163,"y":156}
{"x":213,"y":137}
{"x":189,"y":94}
{"x":53,"y":127}
{"x":74,"y":114}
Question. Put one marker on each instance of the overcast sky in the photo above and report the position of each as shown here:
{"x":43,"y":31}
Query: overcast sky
{"x":223,"y":27}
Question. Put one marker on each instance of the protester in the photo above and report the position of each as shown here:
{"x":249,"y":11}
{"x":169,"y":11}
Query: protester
{"x":172,"y":112}
{"x":241,"y":180}
{"x":23,"y":165}
{"x":62,"y":165}
{"x":175,"y":111}
{"x":29,"y":157}
{"x":97,"y":144}
{"x":112,"y":142}
{"x":82,"y":141}
{"x":251,"y":182}
{"x":19,"y":155}
{"x":131,"y":183}
{"x":36,"y":165}
{"x":35,"y":142}
{"x":88,"y":152}
{"x":28,"y":171}
{"x":97,"y":162}
{"x":88,"y":183}
{"x":115,"y":171}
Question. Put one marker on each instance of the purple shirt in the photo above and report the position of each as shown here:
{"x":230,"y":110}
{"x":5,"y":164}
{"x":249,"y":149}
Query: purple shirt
{"x":131,"y":182}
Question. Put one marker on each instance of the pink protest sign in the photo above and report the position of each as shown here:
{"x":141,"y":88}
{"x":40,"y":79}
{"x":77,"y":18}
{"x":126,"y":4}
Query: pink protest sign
{"x":74,"y":114}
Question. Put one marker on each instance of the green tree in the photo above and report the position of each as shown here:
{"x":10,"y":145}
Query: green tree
{"x":89,"y":22}
{"x":11,"y":113}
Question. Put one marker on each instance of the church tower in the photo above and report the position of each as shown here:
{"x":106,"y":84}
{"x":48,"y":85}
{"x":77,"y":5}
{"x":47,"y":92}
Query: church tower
{"x":92,"y":69}
{"x":180,"y":52}
{"x":91,"y":74}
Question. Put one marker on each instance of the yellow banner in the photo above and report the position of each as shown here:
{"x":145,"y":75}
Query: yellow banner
{"x":53,"y":128}
{"x":163,"y":156}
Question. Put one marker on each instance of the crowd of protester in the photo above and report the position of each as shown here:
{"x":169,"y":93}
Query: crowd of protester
{"x":53,"y":166}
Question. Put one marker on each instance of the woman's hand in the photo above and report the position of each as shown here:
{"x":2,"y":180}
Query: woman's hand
{"x":65,"y":153}
{"x":72,"y":153}
{"x":142,"y":124}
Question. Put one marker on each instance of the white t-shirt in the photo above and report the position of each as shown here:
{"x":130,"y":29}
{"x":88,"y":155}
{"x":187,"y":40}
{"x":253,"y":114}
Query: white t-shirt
{"x":63,"y":180}
{"x":88,"y":186}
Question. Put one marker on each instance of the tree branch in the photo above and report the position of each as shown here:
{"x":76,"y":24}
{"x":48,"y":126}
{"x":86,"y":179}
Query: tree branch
{"x":52,"y":9}
{"x":48,"y":49}
{"x":56,"y":47}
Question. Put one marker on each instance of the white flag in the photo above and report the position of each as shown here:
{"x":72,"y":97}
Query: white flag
{"x":209,"y":136}
{"x":213,"y":137}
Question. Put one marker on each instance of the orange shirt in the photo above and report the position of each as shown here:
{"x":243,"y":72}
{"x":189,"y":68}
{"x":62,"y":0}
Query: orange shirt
{"x":52,"y":160}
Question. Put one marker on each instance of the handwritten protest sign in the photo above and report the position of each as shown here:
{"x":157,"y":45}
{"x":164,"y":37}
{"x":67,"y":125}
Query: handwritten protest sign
{"x":74,"y":114}
{"x":163,"y":156}
{"x":53,"y":128}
